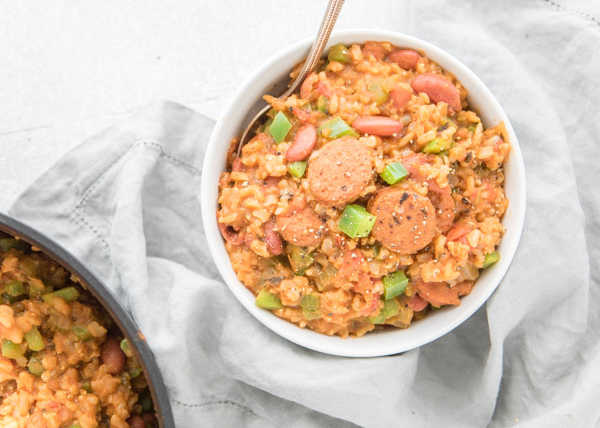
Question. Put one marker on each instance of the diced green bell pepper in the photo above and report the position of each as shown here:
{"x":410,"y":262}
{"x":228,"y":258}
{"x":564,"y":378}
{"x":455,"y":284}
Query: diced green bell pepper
{"x":393,"y":173}
{"x":30,"y":266}
{"x":135,"y":372}
{"x":356,"y":221}
{"x":34,"y":365}
{"x":326,"y":277}
{"x":390,"y":309}
{"x":81,"y":332}
{"x":10,"y":243}
{"x":34,"y":339}
{"x":11,"y":350}
{"x":339,"y":53}
{"x":299,"y":257}
{"x":381,"y":95}
{"x":68,"y":294}
{"x":296,"y":169}
{"x":280,"y":127}
{"x":490,"y":259}
{"x":338,"y":128}
{"x":86,"y":386}
{"x":126,"y":348}
{"x":145,"y":400}
{"x":437,"y":145}
{"x":394,"y":284}
{"x":323,"y":104}
{"x":311,"y":306}
{"x":268,"y":300}
{"x":14,"y":288}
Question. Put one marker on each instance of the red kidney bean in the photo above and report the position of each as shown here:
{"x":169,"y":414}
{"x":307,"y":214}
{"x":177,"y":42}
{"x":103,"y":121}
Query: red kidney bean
{"x":112,"y":355}
{"x":400,"y":98}
{"x":149,"y":419}
{"x":308,"y":84}
{"x":405,"y":58}
{"x":136,"y":421}
{"x":272,"y":181}
{"x":303,"y":144}
{"x":438,"y":89}
{"x":272,"y":238}
{"x":377,"y":125}
{"x":230,"y":235}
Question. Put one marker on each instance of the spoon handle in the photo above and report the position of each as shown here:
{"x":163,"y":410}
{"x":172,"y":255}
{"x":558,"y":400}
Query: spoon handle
{"x":318,"y":46}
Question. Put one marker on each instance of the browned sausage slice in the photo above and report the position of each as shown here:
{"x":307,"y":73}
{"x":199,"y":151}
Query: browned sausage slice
{"x":444,"y":210}
{"x":437,"y":293}
{"x":303,"y":228}
{"x":438,"y":89}
{"x":405,"y":220}
{"x":339,"y":171}
{"x":440,"y":293}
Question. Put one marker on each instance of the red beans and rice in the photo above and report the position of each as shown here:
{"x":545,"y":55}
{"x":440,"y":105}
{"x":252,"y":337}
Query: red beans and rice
{"x":399,"y":207}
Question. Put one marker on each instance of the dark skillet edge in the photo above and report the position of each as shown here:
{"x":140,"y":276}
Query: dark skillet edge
{"x":89,"y":281}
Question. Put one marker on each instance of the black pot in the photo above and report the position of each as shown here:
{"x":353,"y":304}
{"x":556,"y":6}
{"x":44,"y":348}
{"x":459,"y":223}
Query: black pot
{"x":154,"y":378}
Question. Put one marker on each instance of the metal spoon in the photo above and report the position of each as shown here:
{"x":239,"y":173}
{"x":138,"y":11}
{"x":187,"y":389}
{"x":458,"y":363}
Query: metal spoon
{"x":331,"y":14}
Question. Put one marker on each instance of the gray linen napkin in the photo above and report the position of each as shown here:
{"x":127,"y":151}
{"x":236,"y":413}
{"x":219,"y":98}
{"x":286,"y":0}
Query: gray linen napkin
{"x":127,"y":203}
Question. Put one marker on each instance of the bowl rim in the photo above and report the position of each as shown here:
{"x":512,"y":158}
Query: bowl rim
{"x":368,"y":345}
{"x":109,"y":301}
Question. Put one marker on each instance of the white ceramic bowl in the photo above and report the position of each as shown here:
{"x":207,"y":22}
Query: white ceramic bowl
{"x":392,"y":341}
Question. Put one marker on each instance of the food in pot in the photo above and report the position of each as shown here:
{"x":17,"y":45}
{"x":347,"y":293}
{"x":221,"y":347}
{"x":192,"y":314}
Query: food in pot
{"x":63,"y":362}
{"x":367,"y":199}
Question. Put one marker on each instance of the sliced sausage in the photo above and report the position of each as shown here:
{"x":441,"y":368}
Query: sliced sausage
{"x":416,"y":303}
{"x":339,"y":171}
{"x":375,"y":49}
{"x":377,"y":125}
{"x":303,"y":144}
{"x":405,"y":220}
{"x":405,"y":58}
{"x":272,"y":238}
{"x":113,"y":356}
{"x":437,"y":293}
{"x":438,"y":89}
{"x":440,"y":293}
{"x":444,"y":210}
{"x":303,"y":228}
{"x":400,"y":98}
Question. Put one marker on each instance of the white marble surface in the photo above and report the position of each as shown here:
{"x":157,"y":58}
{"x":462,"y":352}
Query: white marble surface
{"x":70,"y":68}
